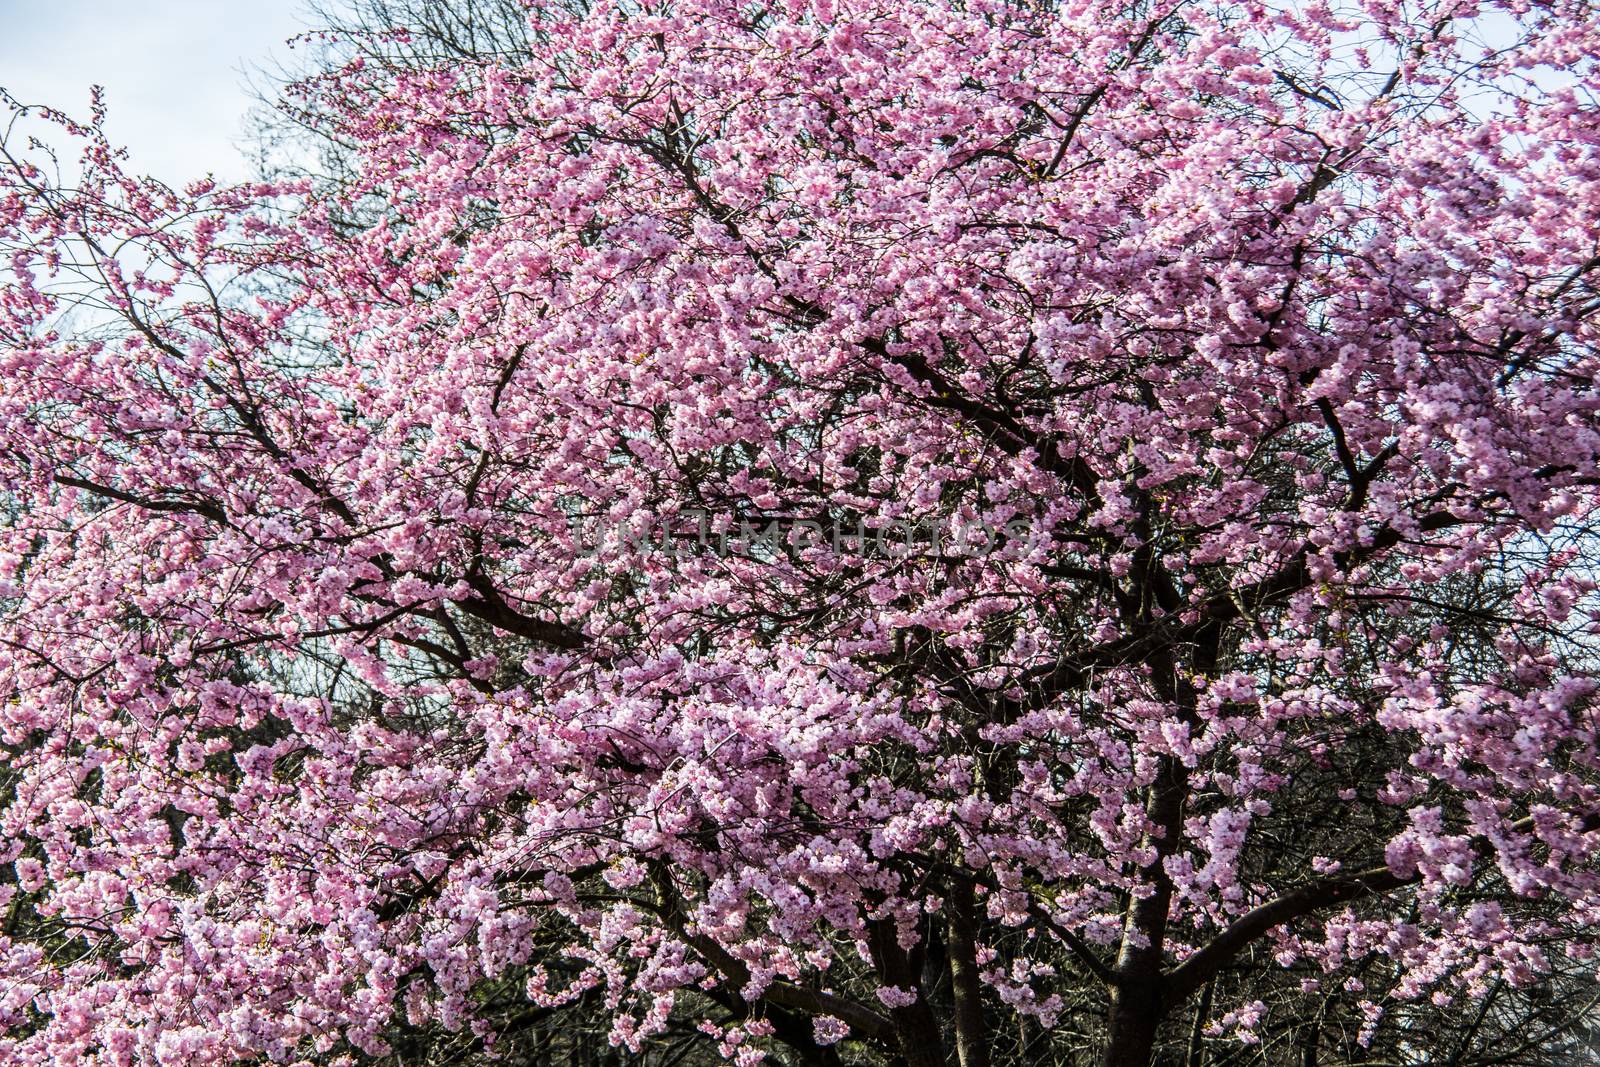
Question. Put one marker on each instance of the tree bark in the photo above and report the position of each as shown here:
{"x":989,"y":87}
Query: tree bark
{"x":915,"y":1028}
{"x":1138,"y":994}
{"x":972,"y":1046}
{"x":1131,"y":1024}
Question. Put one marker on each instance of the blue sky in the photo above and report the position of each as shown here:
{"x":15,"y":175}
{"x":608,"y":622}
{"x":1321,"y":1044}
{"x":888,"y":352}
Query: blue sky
{"x":175,"y":71}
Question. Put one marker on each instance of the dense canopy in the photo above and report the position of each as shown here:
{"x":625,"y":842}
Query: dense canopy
{"x":907,"y":533}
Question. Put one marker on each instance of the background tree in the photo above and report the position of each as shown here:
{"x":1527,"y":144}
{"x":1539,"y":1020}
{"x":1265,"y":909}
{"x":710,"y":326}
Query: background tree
{"x":1243,"y":358}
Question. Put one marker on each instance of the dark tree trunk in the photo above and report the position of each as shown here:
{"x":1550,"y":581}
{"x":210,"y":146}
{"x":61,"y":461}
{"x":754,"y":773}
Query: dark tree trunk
{"x":916,"y":1029}
{"x":972,"y":1040}
{"x":1131,"y":1025}
{"x":1138,"y":993}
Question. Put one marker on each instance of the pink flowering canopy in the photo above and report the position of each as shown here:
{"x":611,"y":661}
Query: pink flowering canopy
{"x":1172,"y":428}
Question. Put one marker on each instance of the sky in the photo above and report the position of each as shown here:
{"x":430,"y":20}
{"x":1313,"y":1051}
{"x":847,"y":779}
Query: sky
{"x":175,"y":71}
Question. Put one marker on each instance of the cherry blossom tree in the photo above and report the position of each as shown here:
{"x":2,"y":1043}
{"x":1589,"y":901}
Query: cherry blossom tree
{"x":915,"y":533}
